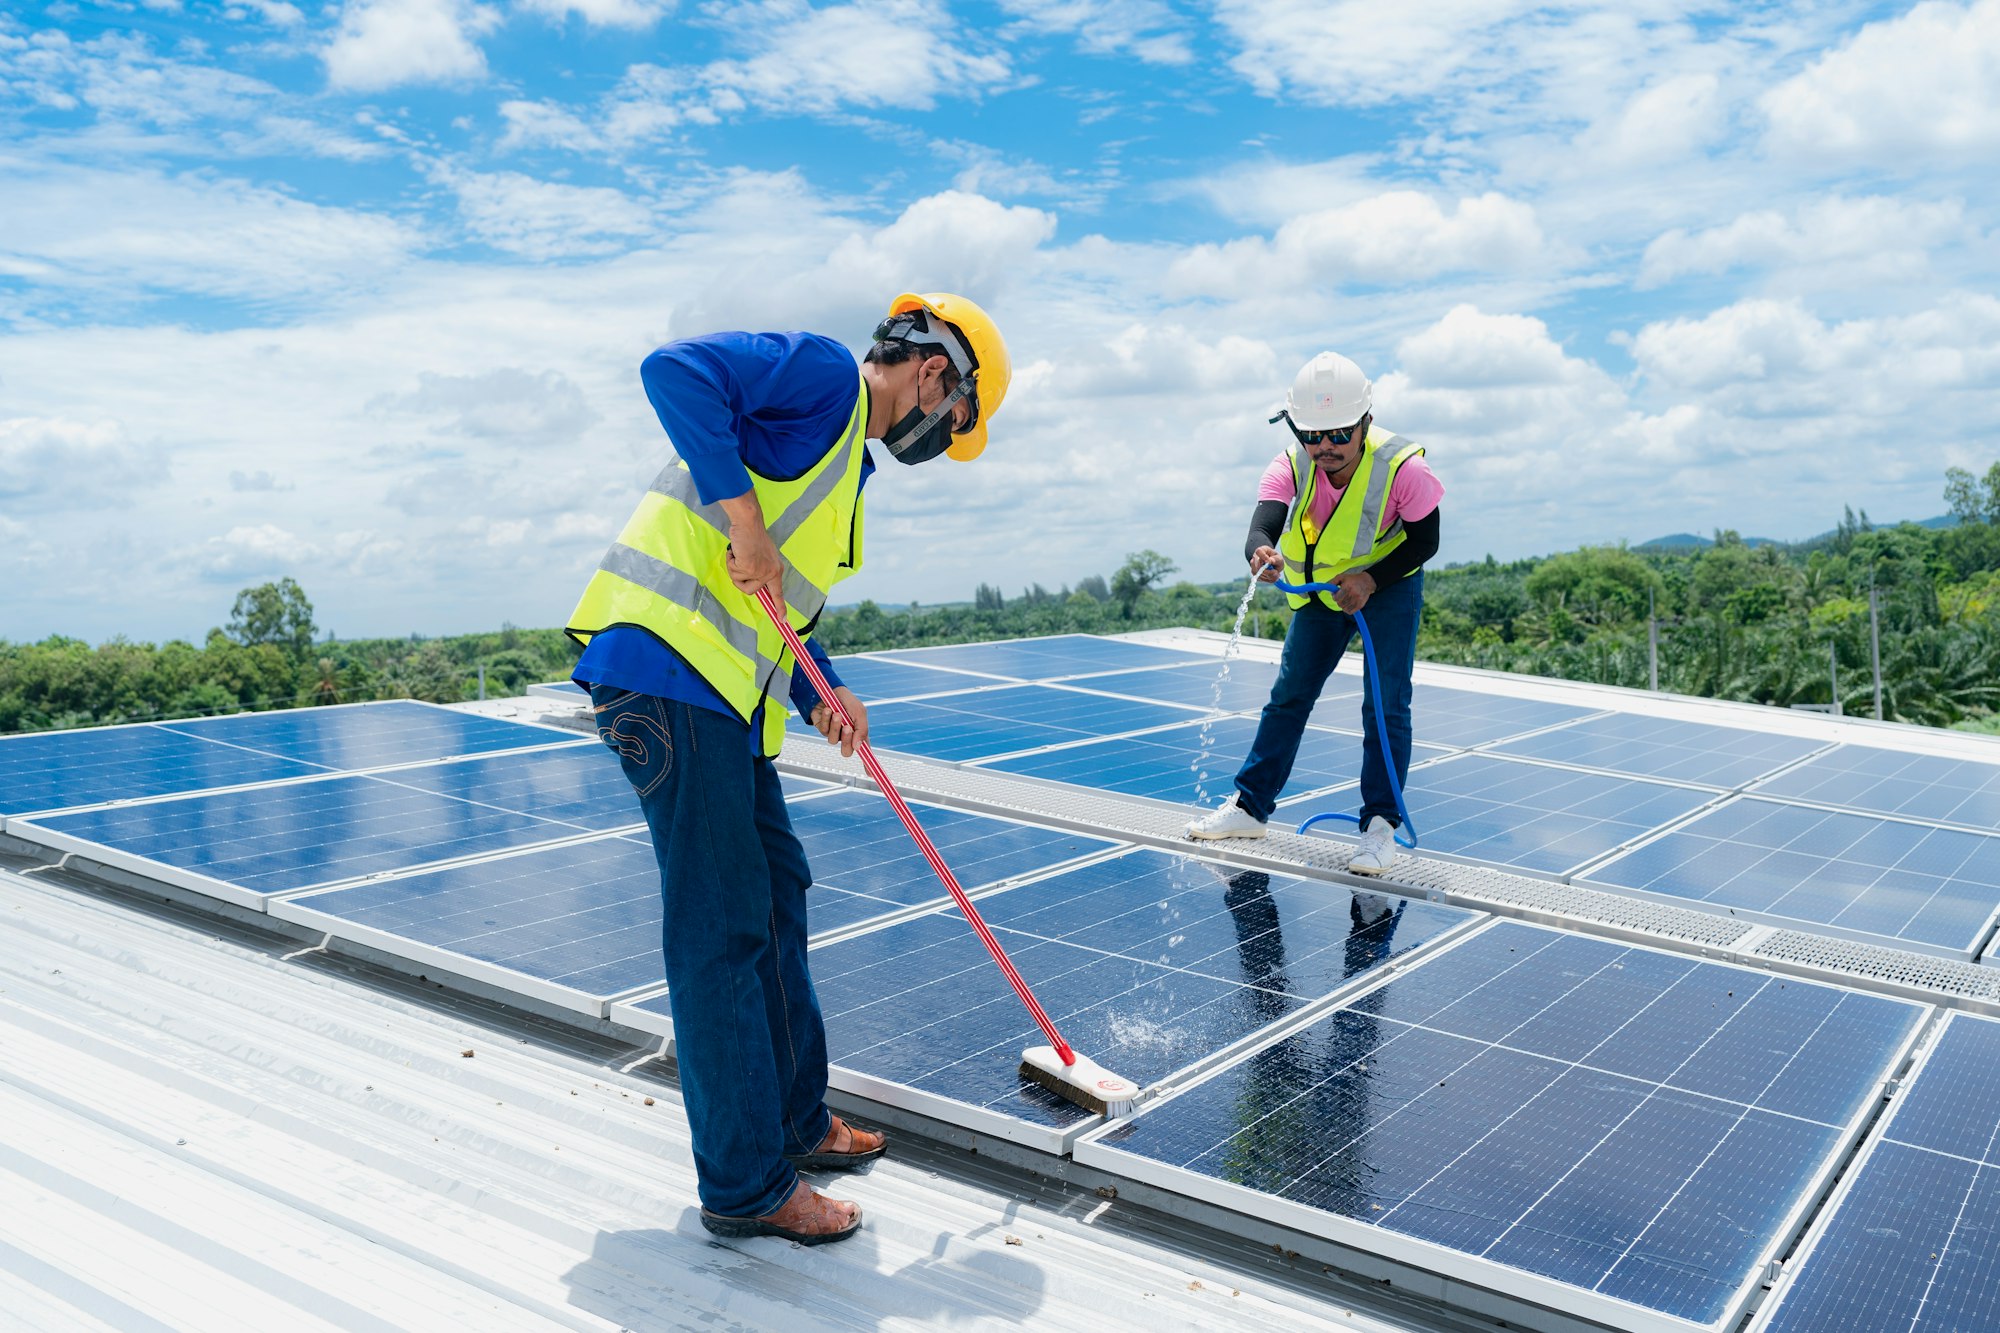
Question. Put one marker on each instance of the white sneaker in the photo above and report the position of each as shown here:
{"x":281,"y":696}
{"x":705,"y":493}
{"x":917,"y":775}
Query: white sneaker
{"x":1377,"y":849}
{"x":1228,"y":820}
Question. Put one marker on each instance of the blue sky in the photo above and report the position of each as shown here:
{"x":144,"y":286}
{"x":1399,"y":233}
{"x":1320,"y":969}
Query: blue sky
{"x":356,"y":292}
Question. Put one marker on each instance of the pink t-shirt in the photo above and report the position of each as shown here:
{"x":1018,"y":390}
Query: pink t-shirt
{"x":1415,"y":492}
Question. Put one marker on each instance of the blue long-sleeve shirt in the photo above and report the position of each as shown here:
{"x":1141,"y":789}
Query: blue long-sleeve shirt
{"x":731,"y":403}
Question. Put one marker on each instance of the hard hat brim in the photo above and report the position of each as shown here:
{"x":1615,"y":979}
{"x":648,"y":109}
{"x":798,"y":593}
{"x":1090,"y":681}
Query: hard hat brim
{"x":970,"y":445}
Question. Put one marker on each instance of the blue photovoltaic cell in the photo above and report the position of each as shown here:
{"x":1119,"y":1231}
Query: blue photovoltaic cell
{"x":982,"y":723}
{"x":865,"y":863}
{"x":1890,"y":782}
{"x":1168,"y":765}
{"x":581,"y":784}
{"x":1446,"y":716}
{"x":1914,"y":1244}
{"x":875,"y":678}
{"x":1161,"y":962}
{"x":1247,"y":689}
{"x":53,"y":770}
{"x":1514,"y":813}
{"x":1658,"y":747}
{"x":582,"y":915}
{"x":1903,"y":881}
{"x":352,"y":736}
{"x":1045,"y":659}
{"x":1632,"y":1123}
{"x":272,"y":839}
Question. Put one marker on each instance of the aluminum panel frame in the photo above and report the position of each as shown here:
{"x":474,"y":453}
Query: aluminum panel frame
{"x":1829,"y":1210}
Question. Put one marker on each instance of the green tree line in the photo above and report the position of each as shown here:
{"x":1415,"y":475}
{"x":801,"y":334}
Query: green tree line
{"x":1761,"y":623}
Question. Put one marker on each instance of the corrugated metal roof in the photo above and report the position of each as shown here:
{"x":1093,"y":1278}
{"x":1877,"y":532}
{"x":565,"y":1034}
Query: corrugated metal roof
{"x":208,"y":1129}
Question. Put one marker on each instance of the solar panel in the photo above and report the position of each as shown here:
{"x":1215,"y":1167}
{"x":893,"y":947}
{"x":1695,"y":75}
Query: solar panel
{"x":920,"y":1005}
{"x":56,"y":770}
{"x":1620,"y":1133}
{"x":1907,"y":1242}
{"x":1447,"y":716}
{"x":865,"y":863}
{"x":1894,"y":782}
{"x":1246,"y":690}
{"x":581,"y":784}
{"x":574,"y":923}
{"x":1658,"y":747}
{"x":579,"y":922}
{"x":246,"y":844}
{"x":983,"y":723}
{"x":1922,"y":887}
{"x":374,"y":735}
{"x":1532,"y":816}
{"x":875,"y":678}
{"x":1196,"y":763}
{"x":1045,"y":659}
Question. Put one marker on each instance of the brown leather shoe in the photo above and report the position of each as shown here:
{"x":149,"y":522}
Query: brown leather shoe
{"x":843,"y":1147}
{"x":807,"y":1218}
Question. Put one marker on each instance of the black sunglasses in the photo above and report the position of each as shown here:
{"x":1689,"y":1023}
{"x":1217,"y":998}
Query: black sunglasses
{"x":1339,"y":436}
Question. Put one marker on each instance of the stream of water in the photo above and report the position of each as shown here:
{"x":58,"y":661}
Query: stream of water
{"x":1200,"y":765}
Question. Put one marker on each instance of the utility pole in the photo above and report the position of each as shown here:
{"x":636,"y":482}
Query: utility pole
{"x":1652,"y":644}
{"x":1833,"y":674}
{"x":1875,"y":644}
{"x":482,"y":680}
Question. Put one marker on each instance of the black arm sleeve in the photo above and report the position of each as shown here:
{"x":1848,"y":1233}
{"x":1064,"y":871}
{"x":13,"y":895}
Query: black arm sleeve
{"x":1420,"y":543}
{"x":1266,"y":522}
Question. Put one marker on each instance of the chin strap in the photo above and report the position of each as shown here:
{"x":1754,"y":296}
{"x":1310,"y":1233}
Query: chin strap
{"x":922,"y":428}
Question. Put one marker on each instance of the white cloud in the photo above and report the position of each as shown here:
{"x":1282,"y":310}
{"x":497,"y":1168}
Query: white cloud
{"x":1874,"y":239}
{"x":951,"y":241}
{"x":1145,"y":29}
{"x":544,"y":411}
{"x":121,"y":78}
{"x":124,"y":233}
{"x":387,"y":43}
{"x":1387,"y":240}
{"x":58,"y":463}
{"x":539,"y":219}
{"x":1765,"y":358}
{"x":275,"y":12}
{"x":603,"y":13}
{"x":1674,"y":118}
{"x":547,"y":124}
{"x":250,"y":552}
{"x":902,"y":54}
{"x":1927,"y":81}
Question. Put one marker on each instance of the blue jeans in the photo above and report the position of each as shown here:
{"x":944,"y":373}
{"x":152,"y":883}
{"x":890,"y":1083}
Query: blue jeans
{"x":1314,"y":645}
{"x":733,"y":879}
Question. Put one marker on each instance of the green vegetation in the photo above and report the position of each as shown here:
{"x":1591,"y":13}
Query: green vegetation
{"x":1762,"y":624}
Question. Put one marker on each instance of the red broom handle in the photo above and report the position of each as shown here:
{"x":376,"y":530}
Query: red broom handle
{"x":774,"y":609}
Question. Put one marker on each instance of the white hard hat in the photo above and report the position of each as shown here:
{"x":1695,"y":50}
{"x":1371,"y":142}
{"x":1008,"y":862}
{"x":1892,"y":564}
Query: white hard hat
{"x":1329,"y":392}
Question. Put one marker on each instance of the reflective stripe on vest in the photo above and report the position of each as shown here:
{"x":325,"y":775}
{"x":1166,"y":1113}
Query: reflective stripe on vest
{"x":667,"y":573}
{"x":1354,"y":536}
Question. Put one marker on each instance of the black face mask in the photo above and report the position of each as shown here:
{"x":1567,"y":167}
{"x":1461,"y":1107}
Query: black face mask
{"x":910,"y":442}
{"x":921,"y":436}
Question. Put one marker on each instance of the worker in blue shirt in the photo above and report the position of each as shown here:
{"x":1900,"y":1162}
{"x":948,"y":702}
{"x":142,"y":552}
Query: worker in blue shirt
{"x":688,"y":679}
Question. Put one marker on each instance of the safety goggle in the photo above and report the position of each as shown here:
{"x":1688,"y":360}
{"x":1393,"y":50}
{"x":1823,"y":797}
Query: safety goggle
{"x":915,"y":326}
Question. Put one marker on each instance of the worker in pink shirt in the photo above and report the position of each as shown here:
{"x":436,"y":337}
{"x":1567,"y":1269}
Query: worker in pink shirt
{"x":1351,"y":503}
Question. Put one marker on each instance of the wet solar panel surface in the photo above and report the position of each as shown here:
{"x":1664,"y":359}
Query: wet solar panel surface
{"x":1149,"y":962}
{"x":1635,"y":1124}
{"x":1913,"y":1241}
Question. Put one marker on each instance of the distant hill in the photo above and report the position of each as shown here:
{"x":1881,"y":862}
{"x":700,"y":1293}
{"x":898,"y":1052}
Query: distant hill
{"x":1688,"y":541}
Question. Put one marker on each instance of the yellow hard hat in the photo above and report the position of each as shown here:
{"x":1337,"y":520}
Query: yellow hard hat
{"x":991,"y":369}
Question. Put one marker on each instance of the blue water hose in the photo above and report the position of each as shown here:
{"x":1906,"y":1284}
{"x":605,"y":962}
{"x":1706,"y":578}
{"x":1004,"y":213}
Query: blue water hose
{"x":1381,"y":719}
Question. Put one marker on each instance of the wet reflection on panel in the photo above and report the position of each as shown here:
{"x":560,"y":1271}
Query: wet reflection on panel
{"x":1148,"y":963}
{"x":1633,"y":1123}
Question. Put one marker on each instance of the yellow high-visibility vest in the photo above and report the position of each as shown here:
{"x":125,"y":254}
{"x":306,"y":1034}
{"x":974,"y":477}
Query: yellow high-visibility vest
{"x":668,"y":574}
{"x":1358,"y":532}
